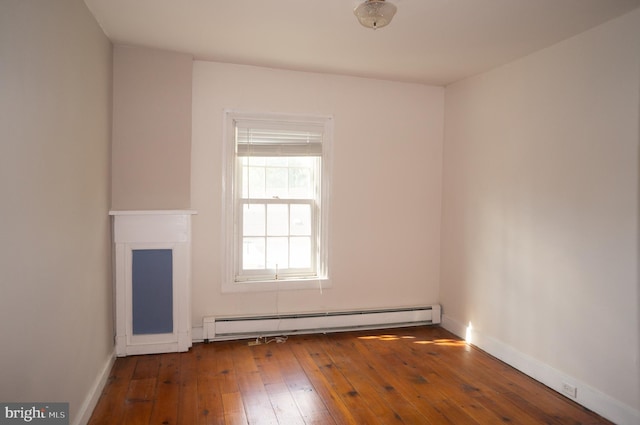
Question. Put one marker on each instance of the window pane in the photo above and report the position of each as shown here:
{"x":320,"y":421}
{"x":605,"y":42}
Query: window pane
{"x":253,"y":220}
{"x":300,"y":252}
{"x":302,"y":161}
{"x":276,"y":161}
{"x":257,"y":161}
{"x":253,"y":257}
{"x":277,"y":220}
{"x":277,"y":253}
{"x":253,"y":177}
{"x":277,"y":182}
{"x":255,"y":182}
{"x":300,"y":219}
{"x":300,"y":183}
{"x":282,"y":177}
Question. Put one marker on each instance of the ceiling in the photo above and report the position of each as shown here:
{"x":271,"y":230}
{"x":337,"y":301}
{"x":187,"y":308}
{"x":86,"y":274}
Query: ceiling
{"x":428,"y":41}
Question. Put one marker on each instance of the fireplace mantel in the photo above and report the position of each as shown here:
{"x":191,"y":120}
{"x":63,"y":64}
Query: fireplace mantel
{"x":152,"y":280}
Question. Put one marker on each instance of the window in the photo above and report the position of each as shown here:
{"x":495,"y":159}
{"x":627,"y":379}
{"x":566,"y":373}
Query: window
{"x":276,"y":200}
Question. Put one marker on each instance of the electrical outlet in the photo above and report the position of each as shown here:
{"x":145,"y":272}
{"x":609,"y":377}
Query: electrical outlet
{"x":569,"y":390}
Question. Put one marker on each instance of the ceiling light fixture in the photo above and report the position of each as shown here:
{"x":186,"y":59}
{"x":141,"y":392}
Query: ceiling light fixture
{"x":375,"y":13}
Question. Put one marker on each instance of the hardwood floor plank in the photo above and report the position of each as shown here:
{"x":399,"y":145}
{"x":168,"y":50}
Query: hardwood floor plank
{"x":421,"y":375}
{"x":225,"y":369}
{"x":147,"y":367}
{"x":256,"y":400}
{"x":283,"y":404}
{"x":384,"y":401}
{"x":209,"y":397}
{"x":469,"y":385}
{"x":137,"y":412}
{"x":481,"y":383}
{"x":271,"y":371}
{"x":142,"y":390}
{"x":416,"y":379}
{"x":188,"y":396}
{"x":243,"y":361}
{"x":210,"y":409}
{"x":233,"y":406}
{"x":310,"y":405}
{"x":165,"y":408}
{"x":207,"y":360}
{"x":350,"y":396}
{"x":456,"y":384}
{"x":336,"y":407}
{"x":110,"y":407}
{"x":554,"y":403}
{"x":267,"y":363}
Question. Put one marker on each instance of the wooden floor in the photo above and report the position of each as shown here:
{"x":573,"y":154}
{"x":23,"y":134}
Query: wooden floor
{"x":421,"y":375}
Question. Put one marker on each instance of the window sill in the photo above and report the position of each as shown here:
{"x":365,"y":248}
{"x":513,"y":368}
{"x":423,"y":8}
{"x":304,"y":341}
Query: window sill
{"x":276,"y":285}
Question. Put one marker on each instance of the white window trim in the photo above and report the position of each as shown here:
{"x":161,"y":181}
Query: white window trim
{"x":228,"y":206}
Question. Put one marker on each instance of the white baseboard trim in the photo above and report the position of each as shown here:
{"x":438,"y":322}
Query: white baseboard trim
{"x":587,"y":396}
{"x":90,"y":402}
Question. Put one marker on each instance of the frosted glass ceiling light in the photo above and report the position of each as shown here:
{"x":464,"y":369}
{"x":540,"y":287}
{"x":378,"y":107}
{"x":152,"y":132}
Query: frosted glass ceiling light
{"x":375,"y":13}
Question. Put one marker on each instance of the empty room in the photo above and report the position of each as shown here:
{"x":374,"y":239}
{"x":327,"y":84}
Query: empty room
{"x":338,"y":211}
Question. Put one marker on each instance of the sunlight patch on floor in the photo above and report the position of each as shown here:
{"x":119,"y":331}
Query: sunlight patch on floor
{"x":390,"y":337}
{"x":445,"y":342}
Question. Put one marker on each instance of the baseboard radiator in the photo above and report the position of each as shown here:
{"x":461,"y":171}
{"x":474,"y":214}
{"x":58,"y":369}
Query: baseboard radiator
{"x":227,"y":328}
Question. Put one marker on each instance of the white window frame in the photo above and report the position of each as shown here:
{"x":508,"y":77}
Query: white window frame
{"x":231,"y":218}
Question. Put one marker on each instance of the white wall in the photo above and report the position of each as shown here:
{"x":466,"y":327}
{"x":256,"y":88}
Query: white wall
{"x":56,"y":321}
{"x":540,"y":214}
{"x":385,"y":205}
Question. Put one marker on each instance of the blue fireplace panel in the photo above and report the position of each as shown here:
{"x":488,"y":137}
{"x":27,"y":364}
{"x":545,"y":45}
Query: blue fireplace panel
{"x":152,"y":291}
